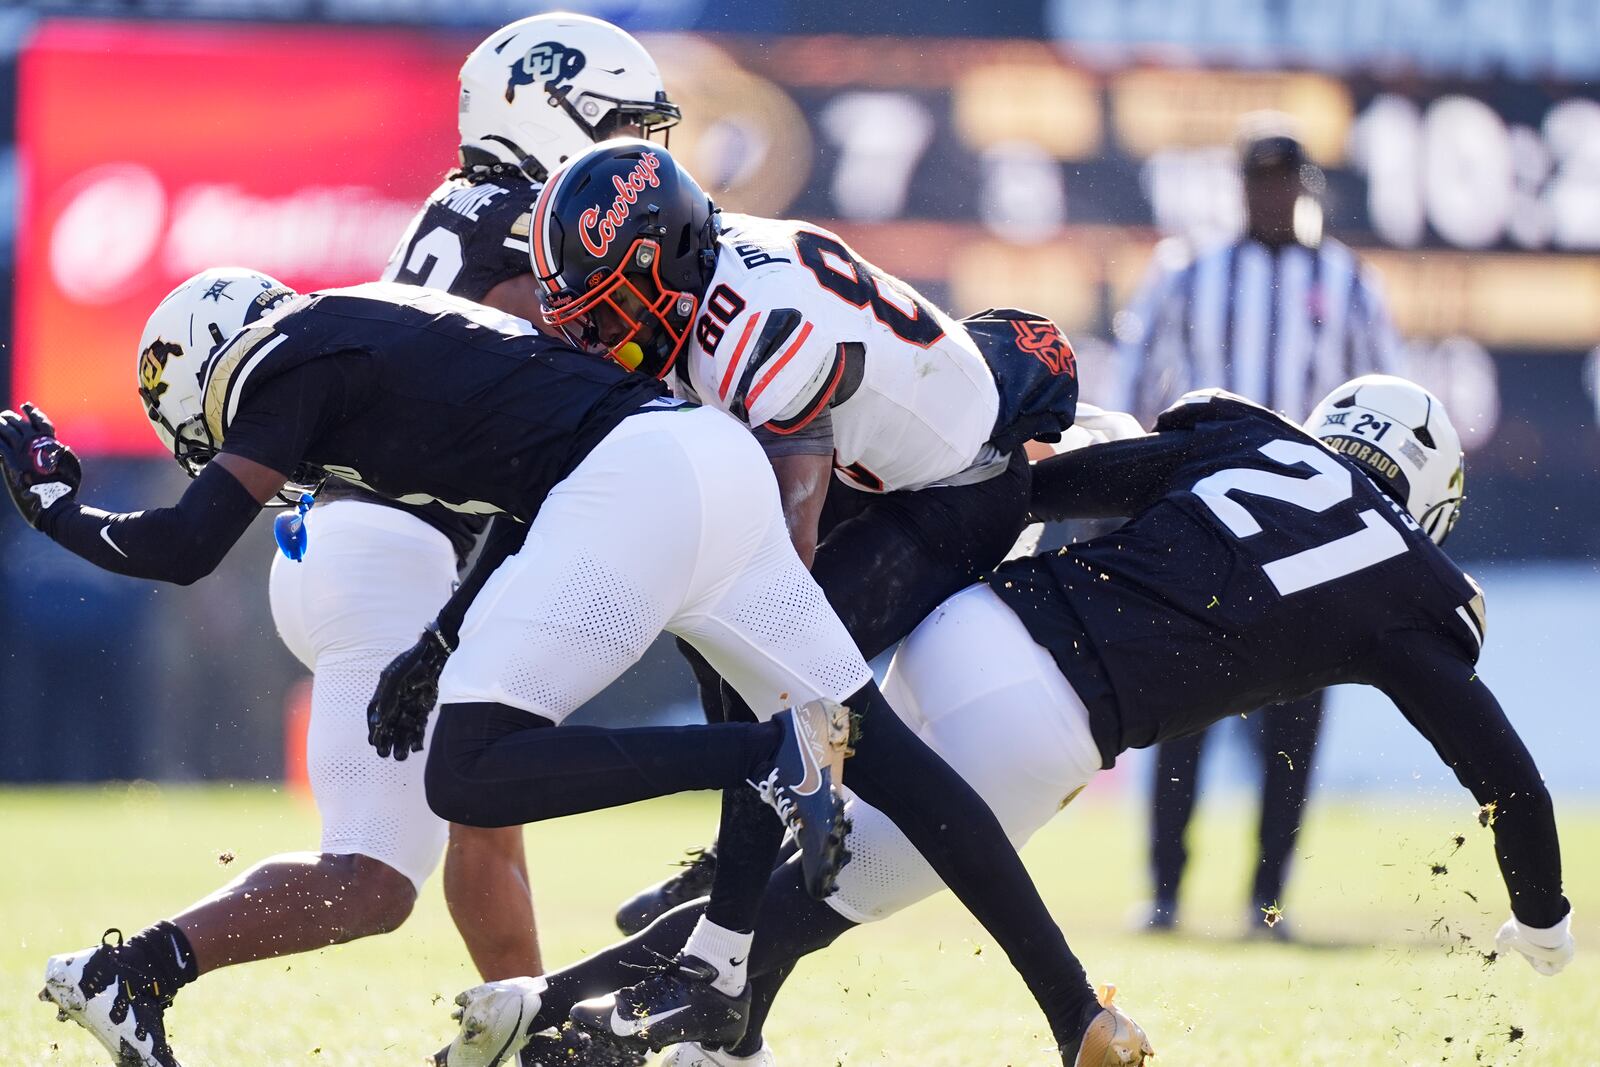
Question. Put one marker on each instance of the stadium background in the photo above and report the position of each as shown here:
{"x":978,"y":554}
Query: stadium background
{"x":1018,"y":152}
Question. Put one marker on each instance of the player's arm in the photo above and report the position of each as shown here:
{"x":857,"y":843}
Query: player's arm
{"x":408,"y":688}
{"x":780,"y":377}
{"x":180,"y":544}
{"x":803,"y":464}
{"x":1438,"y":690}
{"x":1112,"y":480}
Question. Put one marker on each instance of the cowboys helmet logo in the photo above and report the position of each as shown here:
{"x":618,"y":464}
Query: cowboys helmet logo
{"x":548,"y":63}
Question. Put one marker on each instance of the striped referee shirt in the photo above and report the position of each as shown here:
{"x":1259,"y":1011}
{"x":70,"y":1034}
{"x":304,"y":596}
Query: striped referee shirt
{"x":1279,"y":326}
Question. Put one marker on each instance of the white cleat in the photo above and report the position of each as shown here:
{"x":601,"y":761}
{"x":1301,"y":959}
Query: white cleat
{"x":118,"y":1006}
{"x":494,"y":1020}
{"x":692,"y":1055}
{"x":1112,"y":1039}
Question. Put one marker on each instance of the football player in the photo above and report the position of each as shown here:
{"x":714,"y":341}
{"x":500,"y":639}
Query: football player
{"x":642,"y":513}
{"x":1263,"y":561}
{"x":533,"y":94}
{"x":848,"y":377}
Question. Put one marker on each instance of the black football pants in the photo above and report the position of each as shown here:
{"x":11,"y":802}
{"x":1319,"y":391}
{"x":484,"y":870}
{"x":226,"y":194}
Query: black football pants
{"x":1285,"y":738}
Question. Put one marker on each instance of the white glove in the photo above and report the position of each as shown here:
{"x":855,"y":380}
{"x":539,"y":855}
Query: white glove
{"x":1547,"y":950}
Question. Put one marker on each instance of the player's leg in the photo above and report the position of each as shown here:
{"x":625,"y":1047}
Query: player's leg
{"x":1172,"y":799}
{"x":897,"y":773}
{"x":1288,"y":743}
{"x":373,"y":577}
{"x":898,"y":557}
{"x":491,"y":902}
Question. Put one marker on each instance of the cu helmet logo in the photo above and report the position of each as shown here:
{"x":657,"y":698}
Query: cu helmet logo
{"x":549,"y":63}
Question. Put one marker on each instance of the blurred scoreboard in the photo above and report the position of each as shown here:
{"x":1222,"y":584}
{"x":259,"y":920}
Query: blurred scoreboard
{"x":986,"y":171}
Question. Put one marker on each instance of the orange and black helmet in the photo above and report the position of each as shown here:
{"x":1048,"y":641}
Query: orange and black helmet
{"x":624,"y":245}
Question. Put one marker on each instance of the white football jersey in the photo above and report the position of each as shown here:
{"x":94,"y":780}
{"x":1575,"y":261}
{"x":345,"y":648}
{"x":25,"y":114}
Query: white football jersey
{"x":794,"y":321}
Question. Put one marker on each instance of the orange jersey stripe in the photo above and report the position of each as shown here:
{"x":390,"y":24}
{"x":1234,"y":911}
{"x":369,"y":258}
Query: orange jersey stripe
{"x":738,"y":350}
{"x":772,"y":371}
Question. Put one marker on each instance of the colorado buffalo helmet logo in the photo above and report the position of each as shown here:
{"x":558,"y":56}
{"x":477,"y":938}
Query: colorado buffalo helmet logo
{"x":548,"y":63}
{"x":152,"y":365}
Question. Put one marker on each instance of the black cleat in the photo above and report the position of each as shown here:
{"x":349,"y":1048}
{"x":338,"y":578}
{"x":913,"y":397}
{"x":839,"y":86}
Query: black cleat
{"x":674,"y":1004}
{"x":123,"y":1008}
{"x":799,"y":785}
{"x":691,"y":883}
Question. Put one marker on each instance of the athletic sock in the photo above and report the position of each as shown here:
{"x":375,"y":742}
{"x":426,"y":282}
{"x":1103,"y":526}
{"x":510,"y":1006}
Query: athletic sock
{"x":163,"y":954}
{"x":726,"y":950}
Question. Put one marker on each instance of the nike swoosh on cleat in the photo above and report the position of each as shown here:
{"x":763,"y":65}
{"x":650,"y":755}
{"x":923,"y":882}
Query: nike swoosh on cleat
{"x":516,"y":1032}
{"x":105,"y":535}
{"x":813,"y":773}
{"x":633,"y":1027}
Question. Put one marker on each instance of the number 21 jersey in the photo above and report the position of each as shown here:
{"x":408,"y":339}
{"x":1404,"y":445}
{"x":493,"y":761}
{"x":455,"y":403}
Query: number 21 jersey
{"x":1270,"y":568}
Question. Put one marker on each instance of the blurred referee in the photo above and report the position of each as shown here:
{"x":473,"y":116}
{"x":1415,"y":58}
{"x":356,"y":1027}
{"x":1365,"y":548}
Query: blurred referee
{"x":1280,"y":316}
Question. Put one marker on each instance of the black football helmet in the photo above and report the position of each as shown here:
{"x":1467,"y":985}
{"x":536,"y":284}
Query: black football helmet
{"x":624,"y":245}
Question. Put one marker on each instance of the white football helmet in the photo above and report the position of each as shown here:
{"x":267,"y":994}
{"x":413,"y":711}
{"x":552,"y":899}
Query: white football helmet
{"x":1399,"y":433}
{"x":190,"y":324}
{"x":545,"y":88}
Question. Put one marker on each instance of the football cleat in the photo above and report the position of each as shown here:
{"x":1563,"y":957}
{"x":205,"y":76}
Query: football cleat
{"x":676,"y":1003}
{"x":1112,"y":1039}
{"x":691,"y":883}
{"x":123,"y":1008}
{"x":695,"y":1055}
{"x":494,"y":1020}
{"x":799,"y":785}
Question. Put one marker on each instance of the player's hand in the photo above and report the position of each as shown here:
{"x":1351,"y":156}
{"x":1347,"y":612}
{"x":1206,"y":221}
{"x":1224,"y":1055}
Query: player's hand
{"x":40,"y":472}
{"x":408,"y":688}
{"x":1547,"y":951}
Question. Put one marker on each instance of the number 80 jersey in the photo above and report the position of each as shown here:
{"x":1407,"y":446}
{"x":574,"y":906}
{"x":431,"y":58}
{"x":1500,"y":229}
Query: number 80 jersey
{"x":794,"y":323}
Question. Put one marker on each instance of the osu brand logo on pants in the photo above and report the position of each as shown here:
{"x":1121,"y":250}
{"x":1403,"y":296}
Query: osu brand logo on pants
{"x":1040,"y":339}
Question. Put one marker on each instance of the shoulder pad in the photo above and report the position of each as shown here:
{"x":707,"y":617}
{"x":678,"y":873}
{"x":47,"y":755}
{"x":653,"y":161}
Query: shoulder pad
{"x":778,"y":368}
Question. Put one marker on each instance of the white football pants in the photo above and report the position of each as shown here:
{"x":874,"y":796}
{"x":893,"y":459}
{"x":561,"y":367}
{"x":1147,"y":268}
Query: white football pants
{"x":671,"y":523}
{"x":976,"y":688}
{"x":371,"y":579}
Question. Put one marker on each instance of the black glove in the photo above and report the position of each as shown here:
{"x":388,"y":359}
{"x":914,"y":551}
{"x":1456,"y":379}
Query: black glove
{"x":40,"y":472}
{"x":408,"y":688}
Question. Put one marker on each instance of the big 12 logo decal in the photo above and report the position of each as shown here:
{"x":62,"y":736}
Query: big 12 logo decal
{"x":548,"y":63}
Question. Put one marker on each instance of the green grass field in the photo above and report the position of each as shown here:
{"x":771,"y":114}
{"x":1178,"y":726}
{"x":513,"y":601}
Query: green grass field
{"x":1383,"y":976}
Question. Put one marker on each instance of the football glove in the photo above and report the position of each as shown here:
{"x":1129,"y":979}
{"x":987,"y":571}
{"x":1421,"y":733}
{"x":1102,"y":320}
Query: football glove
{"x":40,"y":472}
{"x":1547,"y":950}
{"x":408,"y":688}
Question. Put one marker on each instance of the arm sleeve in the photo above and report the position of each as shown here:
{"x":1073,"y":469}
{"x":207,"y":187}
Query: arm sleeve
{"x":504,"y":540}
{"x":1439,"y":692}
{"x":815,"y":438}
{"x":1112,"y":480}
{"x":180,"y":544}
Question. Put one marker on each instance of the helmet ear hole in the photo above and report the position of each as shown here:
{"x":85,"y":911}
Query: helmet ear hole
{"x":685,"y":239}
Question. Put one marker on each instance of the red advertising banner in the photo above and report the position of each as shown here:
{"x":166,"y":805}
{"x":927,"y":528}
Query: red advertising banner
{"x":152,"y":151}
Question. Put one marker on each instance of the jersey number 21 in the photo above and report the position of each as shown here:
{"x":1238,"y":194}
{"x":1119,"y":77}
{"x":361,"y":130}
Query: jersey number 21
{"x":1377,"y":541}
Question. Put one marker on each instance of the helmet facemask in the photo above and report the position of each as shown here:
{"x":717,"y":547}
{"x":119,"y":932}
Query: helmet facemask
{"x":628,"y":313}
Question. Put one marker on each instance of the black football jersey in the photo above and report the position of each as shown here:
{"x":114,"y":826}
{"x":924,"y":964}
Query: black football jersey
{"x":417,"y":395}
{"x":468,"y":237}
{"x":1270,"y":568}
